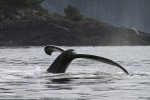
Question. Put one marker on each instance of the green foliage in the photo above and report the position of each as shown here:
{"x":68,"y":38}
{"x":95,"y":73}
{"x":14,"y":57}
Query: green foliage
{"x":9,"y":7}
{"x":72,"y":13}
{"x":17,"y":4}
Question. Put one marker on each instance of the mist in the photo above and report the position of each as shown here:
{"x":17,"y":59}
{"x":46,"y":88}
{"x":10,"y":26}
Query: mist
{"x":123,"y":13}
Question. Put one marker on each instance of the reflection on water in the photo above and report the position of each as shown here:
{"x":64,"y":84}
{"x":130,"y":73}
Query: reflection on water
{"x":23,"y":75}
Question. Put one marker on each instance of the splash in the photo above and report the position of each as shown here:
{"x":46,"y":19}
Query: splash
{"x":136,"y":31}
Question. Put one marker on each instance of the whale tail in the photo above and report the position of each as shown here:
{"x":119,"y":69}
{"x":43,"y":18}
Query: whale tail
{"x":101,"y":59}
{"x":49,"y":49}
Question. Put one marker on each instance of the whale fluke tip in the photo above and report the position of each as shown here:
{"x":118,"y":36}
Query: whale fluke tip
{"x":52,"y":48}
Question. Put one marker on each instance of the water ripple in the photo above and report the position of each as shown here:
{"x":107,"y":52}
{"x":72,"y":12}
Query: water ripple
{"x":23,"y":75}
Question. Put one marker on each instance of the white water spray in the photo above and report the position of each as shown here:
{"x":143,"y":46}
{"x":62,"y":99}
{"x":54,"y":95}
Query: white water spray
{"x":136,"y":31}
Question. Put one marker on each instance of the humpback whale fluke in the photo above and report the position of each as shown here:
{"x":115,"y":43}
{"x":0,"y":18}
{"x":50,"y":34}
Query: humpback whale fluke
{"x":101,"y":59}
{"x":49,"y":49}
{"x":62,"y":62}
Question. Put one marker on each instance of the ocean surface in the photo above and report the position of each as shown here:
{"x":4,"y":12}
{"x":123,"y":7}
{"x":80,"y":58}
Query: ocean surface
{"x":23,"y":74}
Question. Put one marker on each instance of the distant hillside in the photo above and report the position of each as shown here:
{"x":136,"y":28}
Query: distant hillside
{"x":128,"y":13}
{"x":34,"y":26}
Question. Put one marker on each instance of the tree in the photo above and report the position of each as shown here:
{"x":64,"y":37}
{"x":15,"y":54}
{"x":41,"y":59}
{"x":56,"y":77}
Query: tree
{"x":14,"y":4}
{"x":72,"y":13}
{"x":8,"y":7}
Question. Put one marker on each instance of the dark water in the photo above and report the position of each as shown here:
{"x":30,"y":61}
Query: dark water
{"x":23,"y":75}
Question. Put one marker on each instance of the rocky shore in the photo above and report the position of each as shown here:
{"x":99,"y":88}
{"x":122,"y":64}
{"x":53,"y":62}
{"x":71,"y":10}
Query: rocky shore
{"x":37,"y":28}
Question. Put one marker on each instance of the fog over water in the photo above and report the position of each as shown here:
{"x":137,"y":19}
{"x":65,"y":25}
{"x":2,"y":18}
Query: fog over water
{"x":127,"y":13}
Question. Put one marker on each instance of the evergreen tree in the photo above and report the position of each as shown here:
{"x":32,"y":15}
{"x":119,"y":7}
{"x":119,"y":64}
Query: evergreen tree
{"x":72,"y":13}
{"x":8,"y":7}
{"x":15,"y":4}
